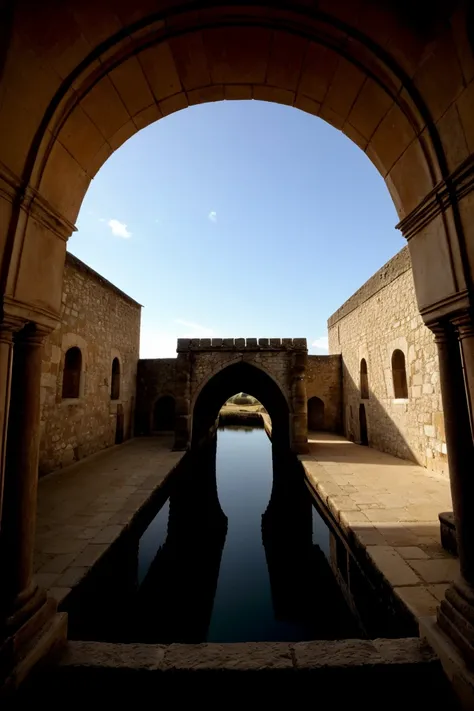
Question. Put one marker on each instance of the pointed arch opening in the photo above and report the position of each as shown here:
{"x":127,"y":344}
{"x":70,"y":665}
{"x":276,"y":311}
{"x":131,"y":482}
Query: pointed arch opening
{"x":236,"y":378}
{"x":315,"y":414}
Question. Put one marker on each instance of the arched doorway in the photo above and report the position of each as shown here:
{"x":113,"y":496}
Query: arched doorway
{"x":163,"y":414}
{"x":241,"y":377}
{"x":364,"y":435}
{"x":315,"y":414}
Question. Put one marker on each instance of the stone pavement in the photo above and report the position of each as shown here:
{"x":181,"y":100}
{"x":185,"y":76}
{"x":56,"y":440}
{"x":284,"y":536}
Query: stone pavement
{"x":390,"y":506}
{"x":84,"y":508}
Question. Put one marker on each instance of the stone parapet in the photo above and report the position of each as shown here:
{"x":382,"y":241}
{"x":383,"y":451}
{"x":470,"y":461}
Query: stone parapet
{"x":241,"y":344}
{"x":399,"y":264}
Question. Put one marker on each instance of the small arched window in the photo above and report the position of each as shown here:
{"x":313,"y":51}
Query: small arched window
{"x":72,"y":373}
{"x":399,"y":374}
{"x":364,"y":380}
{"x":115,"y":389}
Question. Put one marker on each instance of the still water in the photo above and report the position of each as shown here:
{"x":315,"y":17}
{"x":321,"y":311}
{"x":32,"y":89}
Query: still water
{"x":238,"y":553}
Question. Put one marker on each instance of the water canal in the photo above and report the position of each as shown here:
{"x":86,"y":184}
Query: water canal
{"x":237,"y":552}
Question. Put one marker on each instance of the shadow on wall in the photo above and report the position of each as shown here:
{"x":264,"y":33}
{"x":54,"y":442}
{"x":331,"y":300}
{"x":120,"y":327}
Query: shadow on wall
{"x":366,"y":422}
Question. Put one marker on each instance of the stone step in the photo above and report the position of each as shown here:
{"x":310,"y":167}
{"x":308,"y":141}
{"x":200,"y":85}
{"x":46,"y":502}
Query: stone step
{"x":375,"y":674}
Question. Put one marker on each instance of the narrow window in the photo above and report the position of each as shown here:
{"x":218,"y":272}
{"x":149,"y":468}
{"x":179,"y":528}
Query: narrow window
{"x":364,"y":380}
{"x":115,"y":389}
{"x":399,"y":374}
{"x":72,"y":373}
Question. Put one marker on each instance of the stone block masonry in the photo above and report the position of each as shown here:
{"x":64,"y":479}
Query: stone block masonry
{"x":104,"y":324}
{"x":381,"y":317}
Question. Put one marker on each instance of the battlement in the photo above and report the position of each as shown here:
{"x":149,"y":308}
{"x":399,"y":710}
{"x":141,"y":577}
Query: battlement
{"x":241,"y":344}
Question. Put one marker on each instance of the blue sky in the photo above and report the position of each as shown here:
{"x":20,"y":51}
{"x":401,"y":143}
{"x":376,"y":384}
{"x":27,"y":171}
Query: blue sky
{"x":237,"y":219}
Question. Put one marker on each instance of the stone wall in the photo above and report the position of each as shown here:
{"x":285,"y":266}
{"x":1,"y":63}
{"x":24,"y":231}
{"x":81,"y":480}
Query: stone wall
{"x":380,"y":317}
{"x":323,"y":380}
{"x":104,"y":323}
{"x":156,"y":377}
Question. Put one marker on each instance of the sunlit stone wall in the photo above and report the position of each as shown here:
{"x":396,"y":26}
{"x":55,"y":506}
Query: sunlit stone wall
{"x":104,"y":323}
{"x":380,"y":317}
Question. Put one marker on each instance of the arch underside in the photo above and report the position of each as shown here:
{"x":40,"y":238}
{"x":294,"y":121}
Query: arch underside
{"x":241,"y":377}
{"x":167,"y":62}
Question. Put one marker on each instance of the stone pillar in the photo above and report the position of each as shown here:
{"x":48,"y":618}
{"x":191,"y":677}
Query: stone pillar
{"x":183,"y":402}
{"x":456,"y":612}
{"x":7,"y":327}
{"x":27,"y":625}
{"x":299,"y":438}
{"x":21,"y":477}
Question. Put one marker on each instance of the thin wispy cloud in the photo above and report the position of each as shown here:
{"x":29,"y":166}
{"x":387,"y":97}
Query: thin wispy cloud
{"x":213,"y":216}
{"x":321,"y":344}
{"x":119,"y":229}
{"x":194,"y":330}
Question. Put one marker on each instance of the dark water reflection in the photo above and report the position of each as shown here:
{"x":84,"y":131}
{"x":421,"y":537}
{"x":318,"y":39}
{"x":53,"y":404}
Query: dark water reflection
{"x":237,"y":553}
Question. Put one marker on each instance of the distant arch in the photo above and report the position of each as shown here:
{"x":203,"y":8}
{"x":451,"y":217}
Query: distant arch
{"x":115,"y":385}
{"x":72,"y":372}
{"x":240,"y":377}
{"x":364,"y":380}
{"x":399,"y":374}
{"x":164,"y":414}
{"x":315,"y":414}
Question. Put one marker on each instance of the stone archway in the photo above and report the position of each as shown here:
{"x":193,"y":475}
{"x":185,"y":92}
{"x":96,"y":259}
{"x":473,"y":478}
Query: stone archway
{"x":78,"y":79}
{"x":241,"y":377}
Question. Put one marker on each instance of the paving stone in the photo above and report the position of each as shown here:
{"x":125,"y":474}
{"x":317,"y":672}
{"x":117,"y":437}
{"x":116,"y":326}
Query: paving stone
{"x":436,"y":571}
{"x":418,"y":599}
{"x":411,"y":552}
{"x":439,"y":590}
{"x":392,"y":565}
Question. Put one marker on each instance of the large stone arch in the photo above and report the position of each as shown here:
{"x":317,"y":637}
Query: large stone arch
{"x":78,"y":78}
{"x":241,"y":376}
{"x":128,"y":69}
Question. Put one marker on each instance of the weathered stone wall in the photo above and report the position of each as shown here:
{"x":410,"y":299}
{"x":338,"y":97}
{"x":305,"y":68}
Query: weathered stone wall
{"x":324,"y":380}
{"x":104,"y":323}
{"x":156,"y":377}
{"x":380,"y":317}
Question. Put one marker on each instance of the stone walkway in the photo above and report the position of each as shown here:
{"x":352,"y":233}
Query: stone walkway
{"x":390,"y":506}
{"x":82,"y":509}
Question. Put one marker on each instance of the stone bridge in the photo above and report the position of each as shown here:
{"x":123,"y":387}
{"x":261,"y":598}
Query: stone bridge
{"x":209,"y":371}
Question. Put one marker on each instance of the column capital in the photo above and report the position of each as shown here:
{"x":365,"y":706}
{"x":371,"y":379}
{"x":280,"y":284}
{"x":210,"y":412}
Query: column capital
{"x":464,"y":325}
{"x":32,"y":334}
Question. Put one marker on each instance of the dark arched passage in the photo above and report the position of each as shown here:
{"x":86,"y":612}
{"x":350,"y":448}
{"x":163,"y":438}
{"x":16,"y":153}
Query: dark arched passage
{"x":241,"y":377}
{"x":315,"y":414}
{"x":163,"y":414}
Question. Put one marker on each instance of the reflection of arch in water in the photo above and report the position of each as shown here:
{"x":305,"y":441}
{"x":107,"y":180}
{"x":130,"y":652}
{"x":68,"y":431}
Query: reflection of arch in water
{"x":177,"y":596}
{"x":304,"y":590}
{"x":315,"y":414}
{"x":163,"y":414}
{"x":241,"y":377}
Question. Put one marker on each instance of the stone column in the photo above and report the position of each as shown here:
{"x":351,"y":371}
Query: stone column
{"x":29,"y":626}
{"x":456,"y":613}
{"x":20,"y":595}
{"x":299,"y":443}
{"x":7,"y":327}
{"x":183,"y":402}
